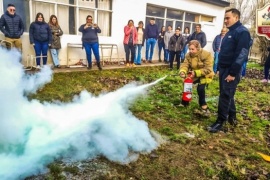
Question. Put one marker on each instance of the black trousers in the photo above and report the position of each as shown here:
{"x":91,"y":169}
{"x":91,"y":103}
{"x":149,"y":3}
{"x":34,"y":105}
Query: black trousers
{"x":176,"y":55}
{"x":201,"y":92}
{"x":130,"y":48}
{"x":226,"y":104}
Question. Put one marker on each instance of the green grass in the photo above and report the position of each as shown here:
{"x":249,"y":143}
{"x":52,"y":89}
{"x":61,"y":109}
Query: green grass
{"x":230,"y":155}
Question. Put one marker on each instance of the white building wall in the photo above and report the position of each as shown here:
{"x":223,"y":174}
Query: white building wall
{"x":123,"y":10}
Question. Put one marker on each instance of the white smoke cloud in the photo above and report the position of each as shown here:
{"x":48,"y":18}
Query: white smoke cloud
{"x":33,"y":134}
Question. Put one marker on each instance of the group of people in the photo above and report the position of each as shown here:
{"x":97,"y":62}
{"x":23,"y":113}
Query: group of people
{"x":42,"y":35}
{"x":173,"y":43}
{"x":231,"y":49}
{"x":45,"y":36}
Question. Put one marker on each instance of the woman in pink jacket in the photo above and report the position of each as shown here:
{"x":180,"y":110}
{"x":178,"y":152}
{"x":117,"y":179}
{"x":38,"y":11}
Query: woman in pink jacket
{"x":130,"y":41}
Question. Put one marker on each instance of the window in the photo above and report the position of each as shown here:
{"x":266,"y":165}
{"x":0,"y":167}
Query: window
{"x":207,"y":18}
{"x":175,"y":18}
{"x":155,"y":11}
{"x":175,"y":14}
{"x":72,"y":13}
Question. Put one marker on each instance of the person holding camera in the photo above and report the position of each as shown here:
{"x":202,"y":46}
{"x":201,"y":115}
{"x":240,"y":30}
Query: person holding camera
{"x":90,"y":42}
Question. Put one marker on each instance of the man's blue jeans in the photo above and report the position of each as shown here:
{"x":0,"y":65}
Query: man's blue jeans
{"x":150,"y":43}
{"x":138,"y":54}
{"x":167,"y":55}
{"x":95,"y":48}
{"x":215,"y":61}
{"x":41,"y":48}
{"x":54,"y":53}
{"x":244,"y":68}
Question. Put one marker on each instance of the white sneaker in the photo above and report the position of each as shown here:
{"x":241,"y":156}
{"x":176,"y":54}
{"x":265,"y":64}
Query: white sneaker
{"x":38,"y":67}
{"x":264,"y":81}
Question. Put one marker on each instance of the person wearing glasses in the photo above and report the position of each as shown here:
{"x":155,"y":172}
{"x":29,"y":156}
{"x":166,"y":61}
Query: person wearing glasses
{"x":12,"y":27}
{"x":89,"y":32}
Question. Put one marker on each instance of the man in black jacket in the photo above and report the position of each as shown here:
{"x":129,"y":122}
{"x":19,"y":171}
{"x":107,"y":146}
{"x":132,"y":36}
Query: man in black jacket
{"x":198,"y":35}
{"x":12,"y":27}
{"x":233,"y":52}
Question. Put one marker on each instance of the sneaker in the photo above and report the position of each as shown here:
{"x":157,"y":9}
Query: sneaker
{"x":127,"y":64}
{"x":133,"y":65}
{"x":58,"y":66}
{"x":264,"y":81}
{"x":150,"y":61}
{"x":38,"y":67}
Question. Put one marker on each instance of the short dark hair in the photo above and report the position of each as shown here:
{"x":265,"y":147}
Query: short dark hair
{"x":198,"y":25}
{"x":234,"y":11}
{"x":12,"y":5}
{"x":152,"y":19}
{"x":89,"y":16}
{"x":178,"y":29}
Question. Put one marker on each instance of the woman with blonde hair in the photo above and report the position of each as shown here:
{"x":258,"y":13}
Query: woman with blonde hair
{"x":199,"y":63}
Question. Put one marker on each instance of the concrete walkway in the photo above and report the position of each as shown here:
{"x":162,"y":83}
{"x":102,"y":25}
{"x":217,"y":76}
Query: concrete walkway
{"x":106,"y":66}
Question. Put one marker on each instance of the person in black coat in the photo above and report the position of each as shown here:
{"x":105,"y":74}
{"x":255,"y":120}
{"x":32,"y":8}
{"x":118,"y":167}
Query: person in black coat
{"x":12,"y":27}
{"x":266,"y":68}
{"x":41,"y":38}
{"x":176,"y":45}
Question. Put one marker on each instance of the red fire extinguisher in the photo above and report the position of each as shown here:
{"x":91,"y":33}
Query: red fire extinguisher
{"x":187,"y":93}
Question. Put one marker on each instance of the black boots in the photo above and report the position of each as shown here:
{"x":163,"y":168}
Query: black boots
{"x":99,"y":66}
{"x":232,"y":121}
{"x":217,"y":126}
{"x":89,"y":67}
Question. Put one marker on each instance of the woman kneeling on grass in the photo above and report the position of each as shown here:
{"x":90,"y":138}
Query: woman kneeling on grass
{"x":199,"y":63}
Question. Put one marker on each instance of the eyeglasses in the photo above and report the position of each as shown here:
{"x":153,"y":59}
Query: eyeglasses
{"x":12,"y":10}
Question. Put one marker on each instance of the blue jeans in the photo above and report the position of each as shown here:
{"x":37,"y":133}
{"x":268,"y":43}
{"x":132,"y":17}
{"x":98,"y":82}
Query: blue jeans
{"x":54,"y":53}
{"x":161,"y":46}
{"x":95,"y":48}
{"x":244,"y":68}
{"x":215,"y":61}
{"x":150,"y":42}
{"x":167,"y":55}
{"x":138,"y":51}
{"x":41,"y":48}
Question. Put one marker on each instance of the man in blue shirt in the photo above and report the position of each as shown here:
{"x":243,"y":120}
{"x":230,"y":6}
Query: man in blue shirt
{"x":233,"y":52}
{"x":151,"y":35}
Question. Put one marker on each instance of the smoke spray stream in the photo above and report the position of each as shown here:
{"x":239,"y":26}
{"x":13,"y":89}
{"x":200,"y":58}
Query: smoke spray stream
{"x":33,"y":134}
